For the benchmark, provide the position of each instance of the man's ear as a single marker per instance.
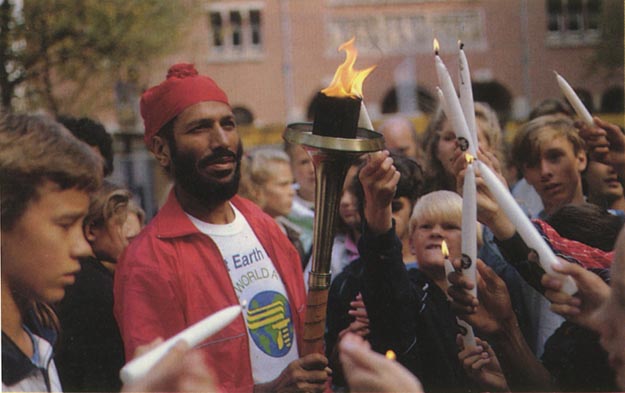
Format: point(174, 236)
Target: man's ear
point(90, 232)
point(582, 161)
point(160, 148)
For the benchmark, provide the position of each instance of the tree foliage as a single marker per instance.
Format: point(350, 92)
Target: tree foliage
point(65, 46)
point(609, 51)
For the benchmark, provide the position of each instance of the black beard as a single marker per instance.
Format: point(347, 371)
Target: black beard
point(207, 190)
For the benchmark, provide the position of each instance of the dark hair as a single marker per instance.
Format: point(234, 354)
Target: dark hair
point(33, 149)
point(549, 106)
point(587, 223)
point(94, 134)
point(410, 185)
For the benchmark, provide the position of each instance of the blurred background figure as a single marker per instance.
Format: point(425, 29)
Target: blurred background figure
point(268, 181)
point(91, 351)
point(439, 144)
point(400, 137)
point(94, 134)
point(302, 212)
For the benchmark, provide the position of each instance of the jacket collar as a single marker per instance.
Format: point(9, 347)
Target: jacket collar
point(15, 364)
point(172, 221)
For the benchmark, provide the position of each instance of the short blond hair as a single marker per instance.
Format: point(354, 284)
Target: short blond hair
point(257, 169)
point(440, 205)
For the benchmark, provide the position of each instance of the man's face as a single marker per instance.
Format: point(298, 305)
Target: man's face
point(398, 138)
point(206, 153)
point(557, 174)
point(40, 252)
point(603, 183)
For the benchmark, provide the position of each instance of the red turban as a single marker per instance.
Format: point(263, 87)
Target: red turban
point(182, 88)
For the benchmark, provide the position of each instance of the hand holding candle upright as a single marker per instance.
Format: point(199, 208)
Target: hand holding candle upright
point(452, 106)
point(469, 224)
point(574, 100)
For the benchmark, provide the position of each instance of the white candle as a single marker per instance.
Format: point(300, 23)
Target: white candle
point(574, 100)
point(466, 93)
point(524, 226)
point(468, 337)
point(453, 110)
point(469, 226)
point(193, 335)
point(363, 119)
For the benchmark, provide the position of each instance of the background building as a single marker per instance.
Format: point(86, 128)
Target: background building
point(273, 56)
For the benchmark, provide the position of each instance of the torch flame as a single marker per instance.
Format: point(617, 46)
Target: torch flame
point(444, 249)
point(469, 158)
point(437, 47)
point(347, 81)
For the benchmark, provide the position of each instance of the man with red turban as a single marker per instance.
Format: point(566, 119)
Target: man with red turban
point(208, 249)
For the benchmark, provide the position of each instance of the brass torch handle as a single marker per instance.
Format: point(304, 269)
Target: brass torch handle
point(315, 323)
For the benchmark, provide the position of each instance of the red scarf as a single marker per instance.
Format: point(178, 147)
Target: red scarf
point(587, 256)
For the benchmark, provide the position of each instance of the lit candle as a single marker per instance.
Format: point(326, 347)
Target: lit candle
point(364, 121)
point(193, 335)
point(468, 337)
point(466, 93)
point(469, 225)
point(524, 226)
point(574, 100)
point(452, 107)
point(390, 354)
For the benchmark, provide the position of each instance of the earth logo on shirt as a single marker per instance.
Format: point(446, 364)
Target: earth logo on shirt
point(269, 323)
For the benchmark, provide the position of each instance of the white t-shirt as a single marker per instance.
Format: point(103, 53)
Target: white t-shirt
point(270, 329)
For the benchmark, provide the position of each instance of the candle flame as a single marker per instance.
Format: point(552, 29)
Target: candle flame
point(390, 355)
point(469, 158)
point(444, 249)
point(347, 81)
point(437, 47)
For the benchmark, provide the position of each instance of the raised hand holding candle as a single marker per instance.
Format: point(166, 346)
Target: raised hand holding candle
point(193, 335)
point(574, 100)
point(466, 93)
point(468, 337)
point(452, 107)
point(524, 226)
point(469, 225)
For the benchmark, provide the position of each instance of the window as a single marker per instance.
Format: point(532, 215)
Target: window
point(235, 31)
point(573, 22)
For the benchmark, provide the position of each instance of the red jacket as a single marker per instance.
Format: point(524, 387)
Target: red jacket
point(172, 276)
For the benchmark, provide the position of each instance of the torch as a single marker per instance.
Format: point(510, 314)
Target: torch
point(333, 141)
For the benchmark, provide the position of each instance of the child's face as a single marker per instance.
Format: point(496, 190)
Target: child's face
point(427, 238)
point(446, 147)
point(278, 191)
point(303, 170)
point(40, 253)
point(557, 174)
point(402, 209)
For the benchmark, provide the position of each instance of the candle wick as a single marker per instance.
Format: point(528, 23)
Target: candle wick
point(461, 45)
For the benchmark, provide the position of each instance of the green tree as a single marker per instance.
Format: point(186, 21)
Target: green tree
point(609, 51)
point(64, 52)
